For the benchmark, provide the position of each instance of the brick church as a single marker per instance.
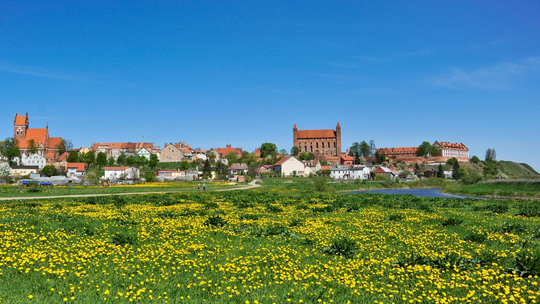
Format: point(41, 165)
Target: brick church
point(47, 146)
point(322, 143)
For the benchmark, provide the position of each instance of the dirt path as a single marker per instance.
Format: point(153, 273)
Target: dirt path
point(251, 185)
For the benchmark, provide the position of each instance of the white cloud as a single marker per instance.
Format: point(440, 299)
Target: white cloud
point(498, 76)
point(35, 71)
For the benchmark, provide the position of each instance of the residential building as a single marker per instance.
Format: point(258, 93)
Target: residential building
point(116, 173)
point(171, 174)
point(318, 142)
point(76, 170)
point(290, 166)
point(350, 173)
point(237, 168)
point(314, 165)
point(23, 170)
point(390, 172)
point(171, 154)
point(144, 152)
point(29, 159)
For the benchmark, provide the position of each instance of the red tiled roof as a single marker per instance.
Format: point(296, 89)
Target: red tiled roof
point(346, 158)
point(116, 168)
point(54, 142)
point(301, 134)
point(452, 146)
point(398, 151)
point(20, 120)
point(281, 161)
point(38, 135)
point(49, 155)
point(225, 151)
point(63, 157)
point(238, 166)
point(78, 166)
point(326, 167)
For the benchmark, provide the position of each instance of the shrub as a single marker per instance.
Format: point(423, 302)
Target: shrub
point(320, 184)
point(344, 247)
point(526, 264)
point(395, 217)
point(215, 221)
point(123, 239)
point(452, 222)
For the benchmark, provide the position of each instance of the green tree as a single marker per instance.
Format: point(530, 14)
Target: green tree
point(89, 157)
point(131, 160)
point(207, 169)
point(141, 160)
point(423, 149)
point(491, 154)
point(150, 177)
point(110, 161)
point(11, 153)
point(232, 157)
point(303, 156)
point(475, 159)
point(433, 151)
point(295, 151)
point(184, 165)
point(267, 149)
point(283, 152)
point(48, 170)
point(121, 160)
point(365, 149)
point(248, 158)
point(101, 159)
point(153, 161)
point(32, 147)
point(440, 171)
point(73, 157)
point(354, 149)
point(311, 156)
point(462, 173)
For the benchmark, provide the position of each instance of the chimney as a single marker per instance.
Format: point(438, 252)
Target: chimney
point(228, 146)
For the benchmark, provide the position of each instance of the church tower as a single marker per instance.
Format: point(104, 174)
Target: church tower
point(20, 126)
point(338, 139)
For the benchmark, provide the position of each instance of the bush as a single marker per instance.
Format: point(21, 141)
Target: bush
point(150, 177)
point(215, 221)
point(344, 247)
point(123, 239)
point(320, 184)
point(526, 264)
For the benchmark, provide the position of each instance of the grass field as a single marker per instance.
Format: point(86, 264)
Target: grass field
point(500, 189)
point(13, 191)
point(269, 245)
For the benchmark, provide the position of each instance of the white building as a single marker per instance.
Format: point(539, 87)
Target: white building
point(115, 173)
point(144, 152)
point(349, 173)
point(290, 166)
point(29, 159)
point(76, 170)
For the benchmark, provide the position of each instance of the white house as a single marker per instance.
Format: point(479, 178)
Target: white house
point(360, 172)
point(76, 170)
point(29, 159)
point(115, 173)
point(144, 152)
point(290, 166)
point(237, 168)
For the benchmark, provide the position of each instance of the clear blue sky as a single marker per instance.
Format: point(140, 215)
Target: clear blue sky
point(244, 72)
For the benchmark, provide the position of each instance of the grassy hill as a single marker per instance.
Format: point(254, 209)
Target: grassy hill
point(516, 170)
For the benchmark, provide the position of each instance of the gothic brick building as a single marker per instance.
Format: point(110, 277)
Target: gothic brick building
point(319, 142)
point(46, 146)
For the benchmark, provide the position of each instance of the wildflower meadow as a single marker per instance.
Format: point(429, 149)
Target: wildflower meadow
point(269, 246)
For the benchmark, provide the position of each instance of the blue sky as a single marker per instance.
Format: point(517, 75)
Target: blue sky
point(244, 72)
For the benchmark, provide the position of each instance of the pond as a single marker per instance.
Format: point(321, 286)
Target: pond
point(415, 192)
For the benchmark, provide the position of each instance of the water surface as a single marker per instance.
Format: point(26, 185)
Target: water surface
point(415, 192)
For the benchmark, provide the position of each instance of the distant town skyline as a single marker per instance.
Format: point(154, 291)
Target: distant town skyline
point(243, 73)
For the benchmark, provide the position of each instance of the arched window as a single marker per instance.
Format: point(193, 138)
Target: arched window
point(317, 144)
point(322, 145)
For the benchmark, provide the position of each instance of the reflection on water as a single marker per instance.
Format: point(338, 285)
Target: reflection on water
point(415, 192)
